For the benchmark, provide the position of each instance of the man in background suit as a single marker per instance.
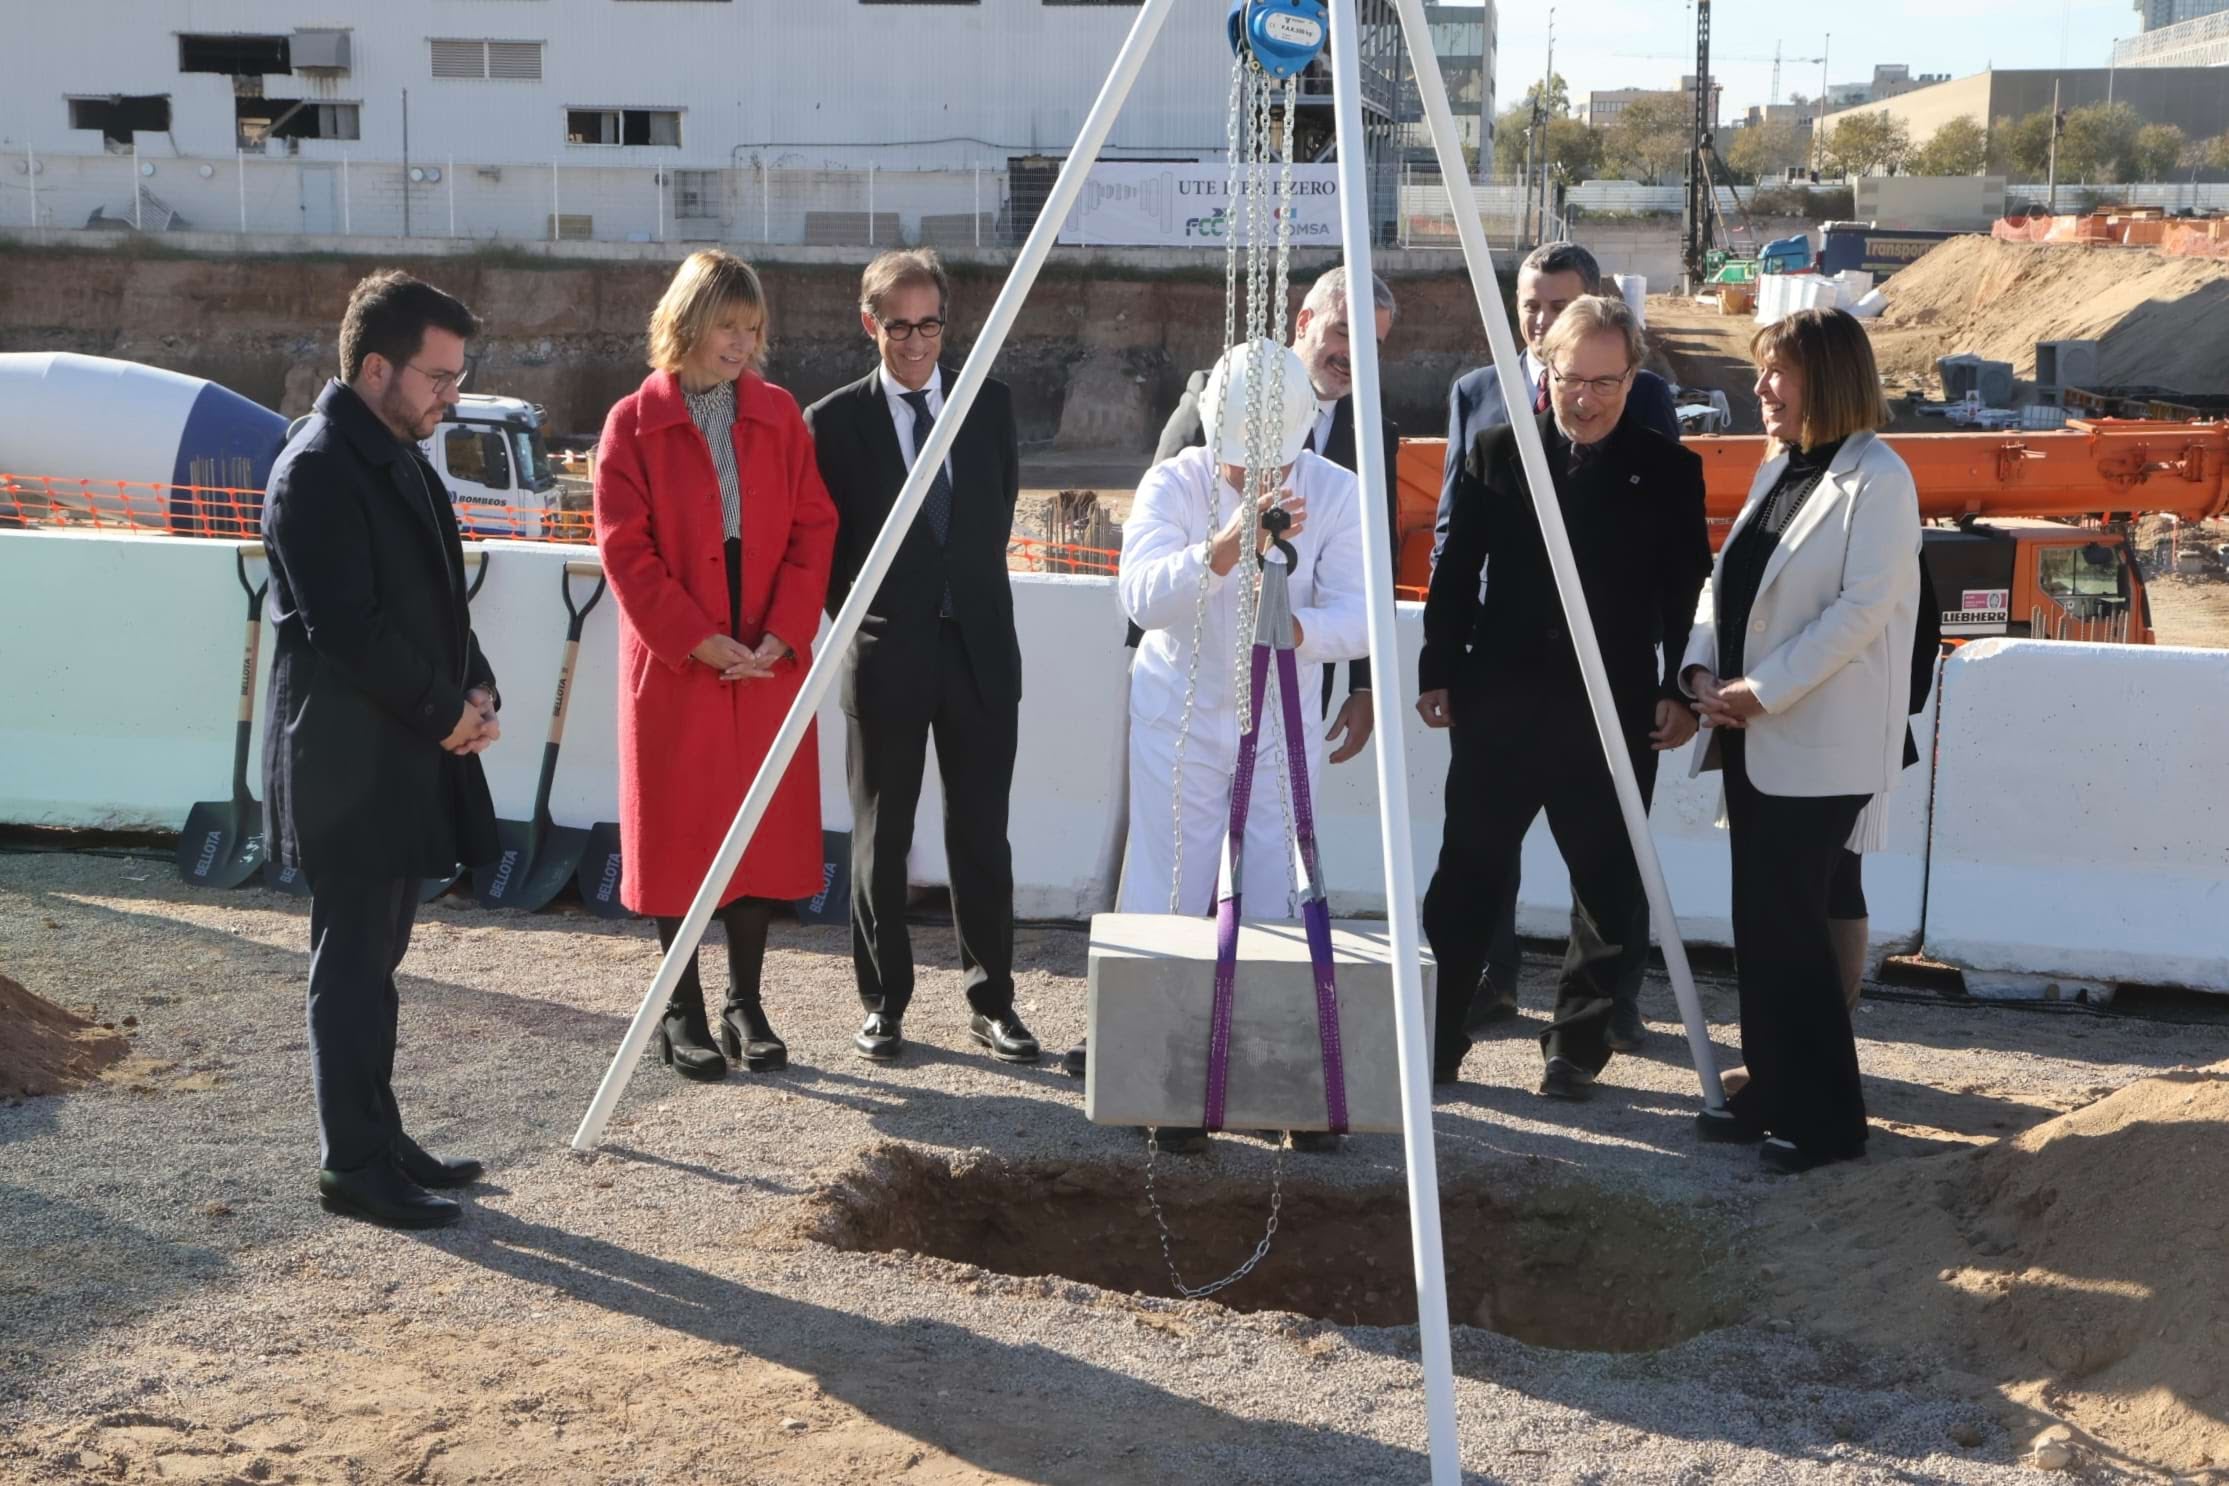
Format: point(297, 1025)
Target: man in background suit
point(1552, 275)
point(1320, 337)
point(936, 655)
point(1503, 673)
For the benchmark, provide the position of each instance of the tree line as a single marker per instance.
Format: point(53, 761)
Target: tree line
point(2104, 143)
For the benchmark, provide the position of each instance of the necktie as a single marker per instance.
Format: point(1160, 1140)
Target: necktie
point(1540, 397)
point(939, 502)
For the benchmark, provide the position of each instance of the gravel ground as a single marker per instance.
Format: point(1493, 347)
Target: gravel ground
point(173, 1305)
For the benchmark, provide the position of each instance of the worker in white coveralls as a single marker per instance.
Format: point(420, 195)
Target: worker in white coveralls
point(1185, 521)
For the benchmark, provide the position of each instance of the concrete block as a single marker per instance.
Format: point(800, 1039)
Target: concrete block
point(1151, 993)
point(2063, 364)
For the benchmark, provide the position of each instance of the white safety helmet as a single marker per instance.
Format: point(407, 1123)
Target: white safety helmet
point(1230, 386)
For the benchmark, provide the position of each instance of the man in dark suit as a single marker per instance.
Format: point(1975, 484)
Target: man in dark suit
point(1505, 674)
point(936, 655)
point(1550, 278)
point(1320, 337)
point(380, 703)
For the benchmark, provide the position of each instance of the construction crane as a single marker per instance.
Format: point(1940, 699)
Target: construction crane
point(1696, 215)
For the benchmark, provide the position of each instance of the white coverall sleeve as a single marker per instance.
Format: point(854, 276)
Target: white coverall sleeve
point(1334, 623)
point(1158, 575)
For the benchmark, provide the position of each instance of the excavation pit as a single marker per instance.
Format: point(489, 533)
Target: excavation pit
point(1566, 1266)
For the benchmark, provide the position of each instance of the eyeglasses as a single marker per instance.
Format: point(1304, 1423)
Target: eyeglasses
point(1599, 386)
point(900, 330)
point(442, 381)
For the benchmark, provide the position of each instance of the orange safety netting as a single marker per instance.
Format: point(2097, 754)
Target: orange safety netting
point(235, 515)
point(2208, 239)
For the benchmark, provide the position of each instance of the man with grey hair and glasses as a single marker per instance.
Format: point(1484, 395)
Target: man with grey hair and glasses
point(1550, 278)
point(1502, 674)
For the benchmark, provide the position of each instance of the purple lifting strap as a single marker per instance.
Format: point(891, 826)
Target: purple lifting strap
point(1226, 913)
point(1315, 912)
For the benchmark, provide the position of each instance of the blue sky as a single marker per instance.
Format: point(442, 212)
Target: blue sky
point(1594, 38)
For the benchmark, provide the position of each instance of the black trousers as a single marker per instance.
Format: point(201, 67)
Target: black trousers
point(1795, 1030)
point(887, 755)
point(359, 932)
point(1502, 772)
point(1504, 956)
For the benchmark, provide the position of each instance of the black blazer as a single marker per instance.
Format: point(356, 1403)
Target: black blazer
point(1635, 515)
point(1185, 430)
point(375, 652)
point(863, 466)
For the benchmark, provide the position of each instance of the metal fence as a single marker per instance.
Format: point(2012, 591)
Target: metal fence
point(335, 195)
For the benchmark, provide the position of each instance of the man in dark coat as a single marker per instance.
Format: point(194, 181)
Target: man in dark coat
point(936, 655)
point(1504, 675)
point(380, 702)
point(1550, 278)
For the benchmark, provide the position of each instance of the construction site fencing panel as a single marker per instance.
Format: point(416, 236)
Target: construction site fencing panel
point(2039, 848)
point(326, 192)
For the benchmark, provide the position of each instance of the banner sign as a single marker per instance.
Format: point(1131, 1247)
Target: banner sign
point(1163, 205)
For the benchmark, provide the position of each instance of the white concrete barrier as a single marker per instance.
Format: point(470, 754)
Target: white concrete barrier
point(2080, 822)
point(2082, 813)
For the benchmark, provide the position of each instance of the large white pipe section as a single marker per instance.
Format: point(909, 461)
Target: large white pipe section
point(1129, 62)
point(1478, 259)
point(1412, 1039)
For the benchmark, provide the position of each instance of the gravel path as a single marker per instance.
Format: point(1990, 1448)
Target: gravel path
point(174, 1306)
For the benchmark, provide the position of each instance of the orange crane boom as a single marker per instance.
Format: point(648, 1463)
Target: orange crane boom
point(2094, 468)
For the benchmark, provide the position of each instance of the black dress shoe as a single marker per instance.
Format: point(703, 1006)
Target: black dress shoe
point(684, 1041)
point(380, 1193)
point(1627, 1031)
point(1006, 1037)
point(1075, 1061)
point(1564, 1079)
point(747, 1037)
point(880, 1039)
point(428, 1170)
point(1724, 1127)
point(1786, 1158)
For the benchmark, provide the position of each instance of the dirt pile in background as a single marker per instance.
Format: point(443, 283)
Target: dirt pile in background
point(46, 1050)
point(2159, 322)
point(2076, 1267)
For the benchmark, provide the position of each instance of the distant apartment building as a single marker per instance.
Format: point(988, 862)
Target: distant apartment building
point(2194, 99)
point(2159, 14)
point(1464, 40)
point(2200, 42)
point(1603, 106)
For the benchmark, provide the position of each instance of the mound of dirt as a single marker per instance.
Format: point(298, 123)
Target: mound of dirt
point(2076, 1267)
point(2158, 321)
point(46, 1050)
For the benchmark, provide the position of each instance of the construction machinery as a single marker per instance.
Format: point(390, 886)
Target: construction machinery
point(97, 441)
point(2029, 534)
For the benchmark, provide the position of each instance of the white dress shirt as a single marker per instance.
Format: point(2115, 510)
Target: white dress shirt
point(901, 411)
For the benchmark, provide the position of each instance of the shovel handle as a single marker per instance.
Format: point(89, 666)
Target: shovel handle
point(579, 616)
point(254, 591)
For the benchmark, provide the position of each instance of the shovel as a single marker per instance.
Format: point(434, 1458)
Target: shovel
point(222, 843)
point(434, 887)
point(601, 872)
point(538, 857)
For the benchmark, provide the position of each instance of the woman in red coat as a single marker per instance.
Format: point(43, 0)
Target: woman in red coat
point(716, 533)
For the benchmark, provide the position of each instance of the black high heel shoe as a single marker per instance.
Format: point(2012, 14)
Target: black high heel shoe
point(748, 1038)
point(684, 1043)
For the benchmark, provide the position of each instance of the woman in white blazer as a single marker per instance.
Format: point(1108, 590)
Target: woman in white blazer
point(1800, 666)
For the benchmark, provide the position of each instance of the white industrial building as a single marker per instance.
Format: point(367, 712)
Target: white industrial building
point(741, 120)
